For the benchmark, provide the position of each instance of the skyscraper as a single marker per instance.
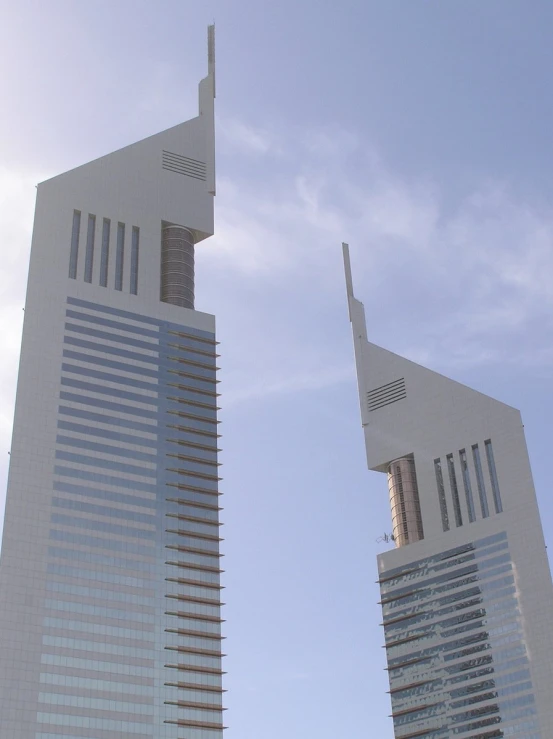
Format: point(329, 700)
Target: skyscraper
point(109, 577)
point(466, 594)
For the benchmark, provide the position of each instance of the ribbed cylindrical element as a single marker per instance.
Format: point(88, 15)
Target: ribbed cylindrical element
point(404, 502)
point(177, 266)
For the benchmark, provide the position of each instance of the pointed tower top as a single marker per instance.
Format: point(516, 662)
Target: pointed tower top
point(211, 54)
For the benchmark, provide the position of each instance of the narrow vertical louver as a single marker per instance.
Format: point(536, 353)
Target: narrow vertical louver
point(89, 254)
point(480, 481)
point(104, 257)
point(134, 260)
point(441, 494)
point(119, 256)
point(74, 253)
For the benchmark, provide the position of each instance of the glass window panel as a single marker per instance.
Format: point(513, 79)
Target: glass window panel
point(89, 254)
point(104, 257)
point(441, 494)
point(119, 256)
point(480, 481)
point(134, 260)
point(74, 253)
point(493, 477)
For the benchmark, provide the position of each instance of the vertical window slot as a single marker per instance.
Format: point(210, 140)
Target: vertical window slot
point(74, 254)
point(104, 257)
point(134, 260)
point(119, 256)
point(467, 485)
point(89, 254)
point(441, 494)
point(480, 481)
point(454, 490)
point(493, 477)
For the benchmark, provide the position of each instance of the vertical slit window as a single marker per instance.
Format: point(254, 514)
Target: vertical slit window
point(480, 481)
point(89, 254)
point(119, 256)
point(441, 494)
point(493, 477)
point(454, 490)
point(74, 254)
point(467, 484)
point(104, 257)
point(134, 260)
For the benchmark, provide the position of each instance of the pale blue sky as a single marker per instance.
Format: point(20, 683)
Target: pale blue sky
point(420, 131)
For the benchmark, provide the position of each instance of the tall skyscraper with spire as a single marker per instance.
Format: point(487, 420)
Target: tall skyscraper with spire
point(466, 594)
point(110, 622)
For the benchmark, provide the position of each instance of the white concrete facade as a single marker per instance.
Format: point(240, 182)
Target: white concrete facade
point(102, 581)
point(466, 608)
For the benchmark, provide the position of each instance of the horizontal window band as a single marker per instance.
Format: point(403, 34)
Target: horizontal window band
point(196, 362)
point(165, 325)
point(198, 460)
point(106, 464)
point(183, 372)
point(194, 686)
point(215, 602)
point(116, 338)
point(192, 473)
point(108, 405)
point(199, 583)
point(407, 711)
point(201, 634)
point(188, 348)
point(393, 577)
point(115, 451)
point(202, 568)
point(117, 482)
point(132, 369)
point(196, 724)
point(208, 423)
point(190, 429)
point(410, 685)
point(108, 434)
point(112, 324)
point(105, 349)
point(193, 550)
point(205, 392)
point(192, 488)
point(183, 532)
point(91, 387)
point(76, 369)
point(192, 650)
point(193, 402)
point(201, 706)
point(193, 668)
point(212, 342)
point(126, 423)
point(389, 393)
point(185, 501)
point(185, 614)
point(108, 511)
point(194, 519)
point(185, 166)
point(397, 643)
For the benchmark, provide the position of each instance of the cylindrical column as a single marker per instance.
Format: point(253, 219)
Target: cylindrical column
point(404, 502)
point(177, 266)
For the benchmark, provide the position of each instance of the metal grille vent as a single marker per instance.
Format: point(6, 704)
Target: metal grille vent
point(184, 165)
point(386, 394)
